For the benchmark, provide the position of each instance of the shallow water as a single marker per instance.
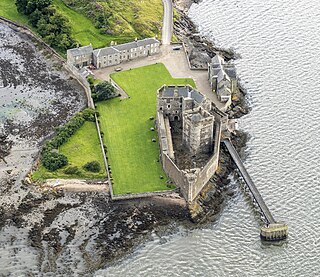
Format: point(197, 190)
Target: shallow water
point(279, 42)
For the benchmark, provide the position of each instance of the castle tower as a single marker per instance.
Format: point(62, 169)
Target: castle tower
point(198, 131)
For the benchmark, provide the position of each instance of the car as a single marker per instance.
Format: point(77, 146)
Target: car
point(177, 47)
point(118, 69)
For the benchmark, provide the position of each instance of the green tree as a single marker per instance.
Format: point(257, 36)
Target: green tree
point(29, 6)
point(53, 161)
point(93, 166)
point(35, 17)
point(103, 91)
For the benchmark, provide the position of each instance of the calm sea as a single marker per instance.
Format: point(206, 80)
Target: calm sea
point(279, 42)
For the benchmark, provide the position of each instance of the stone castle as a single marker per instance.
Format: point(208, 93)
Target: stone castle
point(189, 128)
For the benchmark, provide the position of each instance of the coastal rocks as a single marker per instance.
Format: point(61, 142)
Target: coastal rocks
point(199, 49)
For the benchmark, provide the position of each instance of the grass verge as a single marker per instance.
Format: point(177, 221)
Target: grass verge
point(133, 157)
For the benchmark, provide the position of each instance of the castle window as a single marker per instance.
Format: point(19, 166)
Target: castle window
point(169, 106)
point(160, 108)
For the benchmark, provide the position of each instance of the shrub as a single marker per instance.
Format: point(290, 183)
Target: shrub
point(88, 114)
point(103, 91)
point(93, 166)
point(71, 170)
point(53, 161)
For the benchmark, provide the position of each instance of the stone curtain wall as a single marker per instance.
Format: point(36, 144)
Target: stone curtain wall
point(203, 177)
point(189, 190)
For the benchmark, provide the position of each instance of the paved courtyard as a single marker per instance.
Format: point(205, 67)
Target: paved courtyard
point(177, 64)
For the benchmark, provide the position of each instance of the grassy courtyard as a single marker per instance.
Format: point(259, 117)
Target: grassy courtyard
point(126, 124)
point(81, 148)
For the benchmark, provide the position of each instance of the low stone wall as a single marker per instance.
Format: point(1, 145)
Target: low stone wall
point(21, 28)
point(82, 81)
point(142, 195)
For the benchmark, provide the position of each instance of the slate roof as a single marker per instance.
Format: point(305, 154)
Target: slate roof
point(121, 47)
point(183, 91)
point(105, 51)
point(79, 51)
point(126, 46)
point(147, 41)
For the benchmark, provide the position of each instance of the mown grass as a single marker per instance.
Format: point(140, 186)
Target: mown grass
point(81, 148)
point(8, 10)
point(133, 157)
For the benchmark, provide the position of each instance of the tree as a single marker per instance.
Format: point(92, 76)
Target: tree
point(103, 91)
point(53, 161)
point(35, 17)
point(33, 5)
point(21, 6)
point(93, 166)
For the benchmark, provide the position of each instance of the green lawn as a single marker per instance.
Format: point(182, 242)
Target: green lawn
point(8, 9)
point(132, 155)
point(81, 148)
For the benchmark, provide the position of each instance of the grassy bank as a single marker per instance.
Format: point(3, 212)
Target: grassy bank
point(126, 19)
point(133, 157)
point(81, 148)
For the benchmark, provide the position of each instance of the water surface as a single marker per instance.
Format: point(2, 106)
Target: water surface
point(279, 42)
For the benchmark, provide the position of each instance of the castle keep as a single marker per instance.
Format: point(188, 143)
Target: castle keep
point(189, 128)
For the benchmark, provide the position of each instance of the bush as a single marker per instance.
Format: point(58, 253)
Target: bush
point(71, 170)
point(53, 161)
point(103, 91)
point(88, 114)
point(93, 166)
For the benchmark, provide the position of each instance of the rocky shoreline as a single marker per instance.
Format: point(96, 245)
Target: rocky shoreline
point(53, 226)
point(200, 50)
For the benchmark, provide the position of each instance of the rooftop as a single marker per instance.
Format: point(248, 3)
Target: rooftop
point(79, 51)
point(181, 91)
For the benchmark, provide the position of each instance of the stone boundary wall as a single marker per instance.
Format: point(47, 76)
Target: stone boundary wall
point(82, 81)
point(142, 195)
point(118, 88)
point(104, 155)
point(23, 29)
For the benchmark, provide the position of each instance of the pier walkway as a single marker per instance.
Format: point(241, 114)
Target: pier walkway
point(256, 195)
point(273, 230)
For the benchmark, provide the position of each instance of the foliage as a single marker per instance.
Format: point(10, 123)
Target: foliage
point(132, 18)
point(88, 114)
point(53, 161)
point(103, 91)
point(29, 6)
point(72, 170)
point(84, 146)
point(93, 166)
point(53, 27)
point(132, 155)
